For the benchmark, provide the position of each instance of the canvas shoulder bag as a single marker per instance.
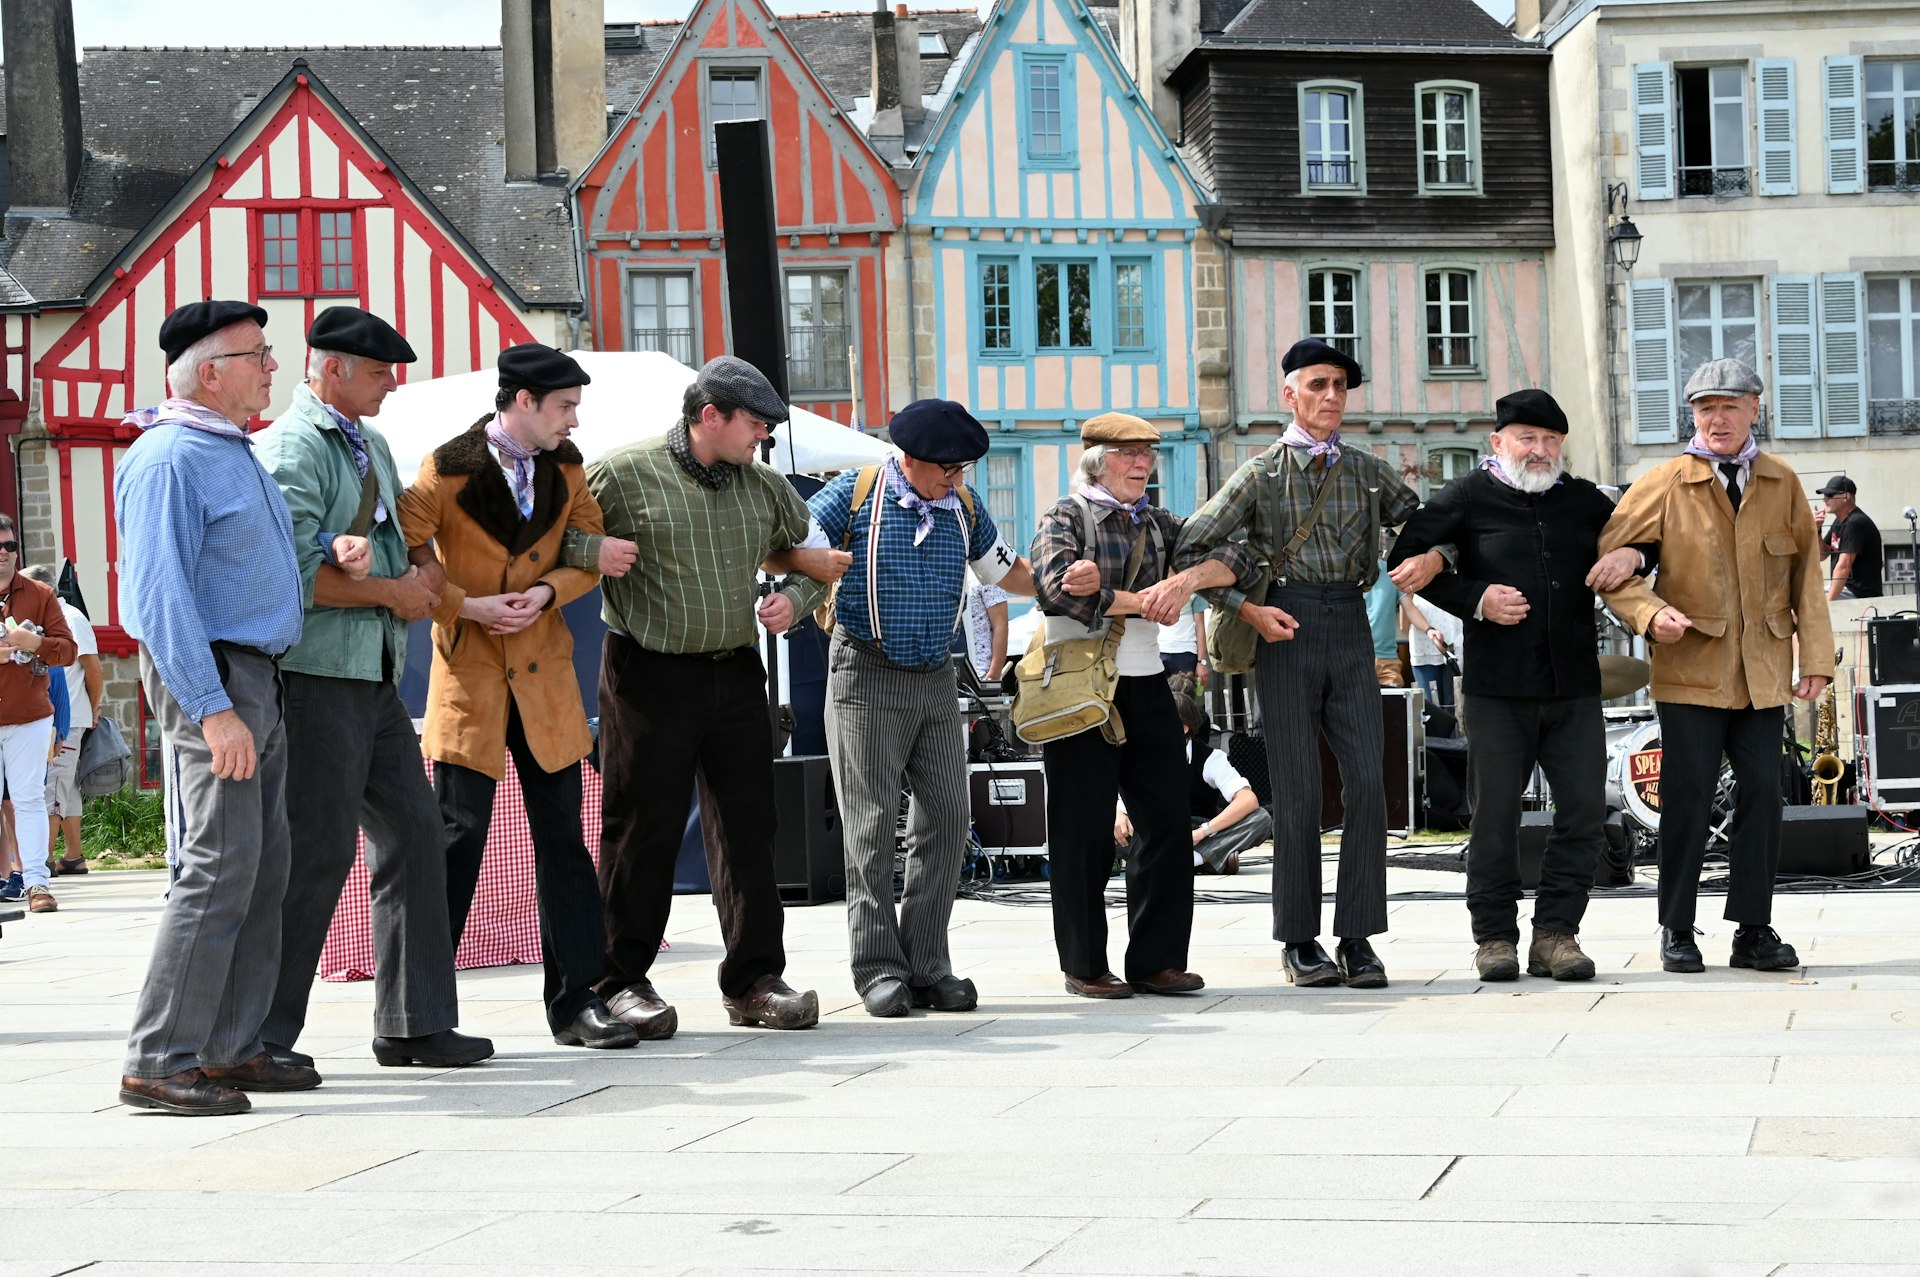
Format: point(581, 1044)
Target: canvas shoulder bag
point(1232, 643)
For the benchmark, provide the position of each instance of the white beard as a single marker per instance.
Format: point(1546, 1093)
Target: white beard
point(1526, 478)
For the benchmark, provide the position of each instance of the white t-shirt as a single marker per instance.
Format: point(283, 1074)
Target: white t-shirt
point(1181, 636)
point(1139, 651)
point(79, 707)
point(1420, 648)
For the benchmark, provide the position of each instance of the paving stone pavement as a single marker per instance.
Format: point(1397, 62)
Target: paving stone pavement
point(1731, 1123)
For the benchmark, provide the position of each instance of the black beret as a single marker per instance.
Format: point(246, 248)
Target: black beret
point(348, 330)
point(195, 320)
point(938, 430)
point(536, 367)
point(1311, 350)
point(1530, 408)
point(731, 379)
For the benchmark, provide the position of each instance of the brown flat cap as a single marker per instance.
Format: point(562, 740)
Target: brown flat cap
point(1118, 427)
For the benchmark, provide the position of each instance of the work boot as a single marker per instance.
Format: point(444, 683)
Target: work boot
point(1762, 949)
point(1497, 960)
point(1557, 953)
point(1678, 952)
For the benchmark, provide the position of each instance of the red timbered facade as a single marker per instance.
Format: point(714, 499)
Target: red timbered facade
point(648, 208)
point(298, 210)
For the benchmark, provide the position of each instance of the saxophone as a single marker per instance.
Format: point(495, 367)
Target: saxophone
point(1827, 767)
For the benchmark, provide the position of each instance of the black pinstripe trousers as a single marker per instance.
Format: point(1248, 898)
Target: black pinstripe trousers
point(1322, 681)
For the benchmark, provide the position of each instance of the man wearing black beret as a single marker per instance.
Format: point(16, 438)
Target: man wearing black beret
point(350, 743)
point(915, 528)
point(1527, 537)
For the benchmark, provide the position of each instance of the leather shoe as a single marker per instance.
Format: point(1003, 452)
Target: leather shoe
point(773, 1002)
point(447, 1049)
point(948, 993)
point(263, 1073)
point(1678, 952)
point(1172, 980)
point(1308, 966)
point(185, 1094)
point(641, 1006)
point(1101, 986)
point(595, 1027)
point(287, 1055)
point(1360, 966)
point(887, 997)
point(1762, 949)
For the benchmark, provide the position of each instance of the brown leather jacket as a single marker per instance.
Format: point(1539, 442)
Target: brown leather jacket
point(23, 694)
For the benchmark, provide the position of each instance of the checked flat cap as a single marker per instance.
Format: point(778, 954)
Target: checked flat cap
point(1723, 377)
point(729, 379)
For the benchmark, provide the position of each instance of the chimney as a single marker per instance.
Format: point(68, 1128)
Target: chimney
point(906, 43)
point(547, 46)
point(43, 102)
point(886, 130)
point(1526, 18)
point(1155, 37)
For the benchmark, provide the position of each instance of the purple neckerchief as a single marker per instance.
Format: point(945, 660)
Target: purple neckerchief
point(1136, 509)
point(362, 458)
point(1297, 437)
point(1743, 458)
point(522, 458)
point(184, 412)
point(909, 498)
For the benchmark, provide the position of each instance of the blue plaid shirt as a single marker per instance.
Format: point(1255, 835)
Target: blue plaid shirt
point(919, 587)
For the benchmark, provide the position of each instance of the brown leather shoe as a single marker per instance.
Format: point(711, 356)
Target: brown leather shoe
point(1101, 986)
point(1172, 980)
point(262, 1074)
point(772, 1002)
point(639, 1005)
point(186, 1094)
point(40, 900)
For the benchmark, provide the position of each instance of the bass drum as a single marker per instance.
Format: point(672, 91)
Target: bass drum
point(1633, 774)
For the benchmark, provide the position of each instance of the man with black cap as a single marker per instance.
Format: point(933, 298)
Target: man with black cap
point(914, 527)
point(1739, 582)
point(350, 741)
point(1852, 541)
point(210, 585)
point(1527, 537)
point(496, 503)
point(683, 694)
point(1312, 510)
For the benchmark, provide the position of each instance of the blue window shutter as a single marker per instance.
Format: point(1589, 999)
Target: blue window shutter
point(1796, 364)
point(1653, 131)
point(1843, 354)
point(1779, 153)
point(1650, 350)
point(1846, 149)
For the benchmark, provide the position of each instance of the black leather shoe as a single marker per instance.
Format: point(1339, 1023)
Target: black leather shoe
point(447, 1049)
point(641, 1006)
point(948, 993)
point(286, 1055)
point(1678, 952)
point(1762, 949)
point(773, 1002)
point(596, 1027)
point(1309, 967)
point(261, 1073)
point(1360, 966)
point(887, 997)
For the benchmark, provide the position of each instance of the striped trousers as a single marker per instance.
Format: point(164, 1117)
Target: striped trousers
point(885, 724)
point(1322, 681)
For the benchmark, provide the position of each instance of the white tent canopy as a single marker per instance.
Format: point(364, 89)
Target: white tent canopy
point(634, 395)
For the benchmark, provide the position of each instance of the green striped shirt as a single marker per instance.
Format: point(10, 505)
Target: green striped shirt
point(695, 584)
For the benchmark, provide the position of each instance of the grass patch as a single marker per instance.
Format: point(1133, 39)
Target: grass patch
point(124, 830)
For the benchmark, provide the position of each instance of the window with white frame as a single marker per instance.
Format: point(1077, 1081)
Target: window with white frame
point(1714, 319)
point(1063, 305)
point(1000, 483)
point(662, 307)
point(1893, 353)
point(996, 306)
point(1445, 464)
point(1130, 305)
point(1893, 125)
point(818, 333)
point(1330, 147)
point(1711, 130)
point(1333, 309)
point(1451, 331)
point(731, 95)
point(1449, 137)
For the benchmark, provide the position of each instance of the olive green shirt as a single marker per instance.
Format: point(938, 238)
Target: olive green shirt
point(695, 584)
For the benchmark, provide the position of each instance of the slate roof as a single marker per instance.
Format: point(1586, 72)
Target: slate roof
point(1419, 24)
point(839, 48)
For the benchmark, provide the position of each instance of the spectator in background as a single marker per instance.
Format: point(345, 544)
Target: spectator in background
point(1433, 635)
point(1226, 815)
point(984, 622)
point(1852, 543)
point(36, 639)
point(86, 684)
point(1183, 644)
point(1383, 618)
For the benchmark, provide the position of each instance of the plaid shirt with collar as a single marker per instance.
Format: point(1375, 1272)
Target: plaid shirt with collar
point(1061, 540)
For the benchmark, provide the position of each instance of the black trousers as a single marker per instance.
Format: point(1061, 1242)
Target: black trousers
point(563, 881)
point(1085, 775)
point(1693, 738)
point(665, 721)
point(1567, 739)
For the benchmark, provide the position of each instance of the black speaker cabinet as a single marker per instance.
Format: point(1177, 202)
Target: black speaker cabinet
point(1534, 828)
point(1009, 803)
point(1886, 722)
point(807, 858)
point(1402, 769)
point(1893, 650)
point(743, 162)
point(1830, 842)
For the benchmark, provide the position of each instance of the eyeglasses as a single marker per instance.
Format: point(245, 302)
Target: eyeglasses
point(263, 354)
point(950, 473)
point(1133, 454)
point(9, 547)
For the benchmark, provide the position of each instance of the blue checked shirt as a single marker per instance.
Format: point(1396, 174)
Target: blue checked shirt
point(919, 587)
point(206, 555)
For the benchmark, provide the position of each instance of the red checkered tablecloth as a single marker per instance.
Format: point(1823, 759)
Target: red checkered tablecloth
point(504, 926)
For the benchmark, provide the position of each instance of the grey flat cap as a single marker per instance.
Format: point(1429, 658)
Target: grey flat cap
point(729, 379)
point(1723, 377)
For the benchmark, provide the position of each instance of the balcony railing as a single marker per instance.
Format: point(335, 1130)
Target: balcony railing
point(677, 342)
point(1452, 170)
point(1893, 175)
point(1892, 417)
point(817, 360)
point(1330, 173)
point(1450, 354)
point(1709, 180)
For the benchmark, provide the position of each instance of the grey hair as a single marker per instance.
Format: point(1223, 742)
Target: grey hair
point(1093, 463)
point(183, 374)
point(38, 572)
point(317, 357)
point(1292, 380)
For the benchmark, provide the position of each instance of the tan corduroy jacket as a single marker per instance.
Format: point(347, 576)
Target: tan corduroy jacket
point(1749, 585)
point(462, 503)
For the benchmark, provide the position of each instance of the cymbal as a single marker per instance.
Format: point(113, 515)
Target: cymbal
point(1622, 676)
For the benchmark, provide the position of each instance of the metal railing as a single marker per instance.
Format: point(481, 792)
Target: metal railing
point(1452, 170)
point(1330, 173)
point(1447, 353)
point(817, 360)
point(1708, 180)
point(1893, 175)
point(677, 342)
point(1893, 417)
